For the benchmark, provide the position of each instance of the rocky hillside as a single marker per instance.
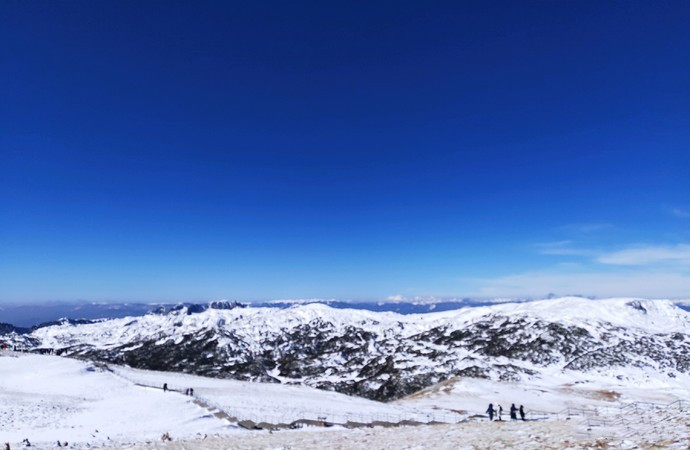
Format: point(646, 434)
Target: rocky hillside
point(383, 355)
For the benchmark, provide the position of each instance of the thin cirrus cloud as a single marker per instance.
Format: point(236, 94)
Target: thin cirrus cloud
point(398, 298)
point(586, 228)
point(648, 255)
point(641, 255)
point(563, 248)
point(567, 247)
point(683, 213)
point(640, 270)
point(631, 283)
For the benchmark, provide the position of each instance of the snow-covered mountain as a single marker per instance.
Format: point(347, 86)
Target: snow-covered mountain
point(33, 315)
point(384, 355)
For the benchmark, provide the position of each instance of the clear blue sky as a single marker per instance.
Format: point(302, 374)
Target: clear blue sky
point(164, 150)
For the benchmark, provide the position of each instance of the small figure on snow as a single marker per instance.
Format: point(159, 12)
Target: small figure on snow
point(500, 413)
point(165, 387)
point(490, 411)
point(513, 412)
point(522, 412)
point(191, 392)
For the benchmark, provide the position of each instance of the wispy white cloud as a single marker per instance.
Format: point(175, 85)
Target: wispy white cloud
point(418, 299)
point(633, 270)
point(648, 255)
point(431, 299)
point(630, 283)
point(300, 301)
point(569, 247)
point(679, 212)
point(586, 228)
point(637, 255)
point(563, 248)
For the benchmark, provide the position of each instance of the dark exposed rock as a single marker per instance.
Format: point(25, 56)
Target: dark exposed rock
point(637, 305)
point(63, 321)
point(6, 328)
point(226, 305)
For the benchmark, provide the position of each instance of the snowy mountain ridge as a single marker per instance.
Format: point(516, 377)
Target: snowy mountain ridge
point(385, 355)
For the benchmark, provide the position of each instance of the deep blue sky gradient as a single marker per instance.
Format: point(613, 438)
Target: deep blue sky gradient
point(166, 150)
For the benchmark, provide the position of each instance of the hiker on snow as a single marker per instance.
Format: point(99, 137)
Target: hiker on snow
point(500, 412)
point(513, 412)
point(522, 412)
point(165, 387)
point(490, 411)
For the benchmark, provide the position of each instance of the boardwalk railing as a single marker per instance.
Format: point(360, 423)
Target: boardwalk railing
point(634, 408)
point(603, 414)
point(653, 416)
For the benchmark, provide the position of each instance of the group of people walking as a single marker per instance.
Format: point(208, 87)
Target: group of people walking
point(499, 412)
point(188, 391)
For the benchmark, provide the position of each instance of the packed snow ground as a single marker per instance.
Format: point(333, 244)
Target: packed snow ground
point(550, 394)
point(281, 403)
point(562, 434)
point(48, 398)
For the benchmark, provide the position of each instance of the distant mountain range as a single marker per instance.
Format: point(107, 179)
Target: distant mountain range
point(30, 315)
point(386, 355)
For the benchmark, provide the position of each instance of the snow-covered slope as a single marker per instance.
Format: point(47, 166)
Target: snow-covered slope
point(47, 399)
point(383, 355)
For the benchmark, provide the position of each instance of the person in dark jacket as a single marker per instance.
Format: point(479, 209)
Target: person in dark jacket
point(490, 411)
point(513, 412)
point(165, 387)
point(522, 412)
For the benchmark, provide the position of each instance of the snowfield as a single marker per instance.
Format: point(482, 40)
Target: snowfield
point(387, 356)
point(590, 374)
point(47, 399)
point(280, 403)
